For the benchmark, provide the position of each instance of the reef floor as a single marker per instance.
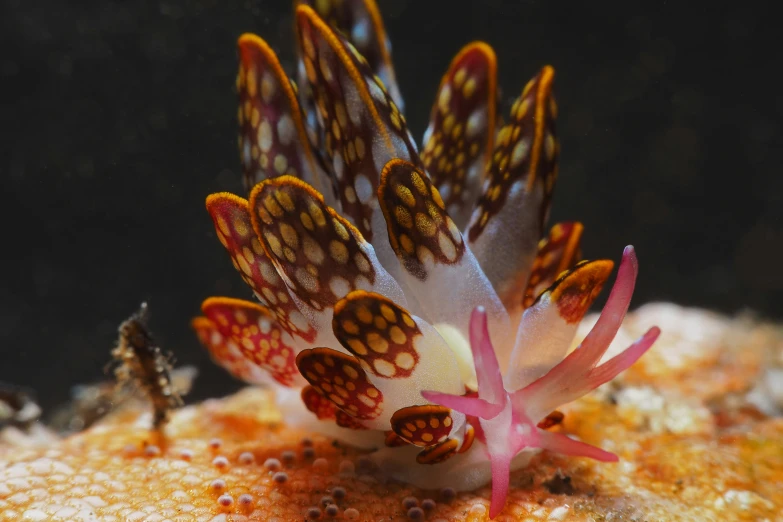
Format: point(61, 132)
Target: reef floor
point(697, 425)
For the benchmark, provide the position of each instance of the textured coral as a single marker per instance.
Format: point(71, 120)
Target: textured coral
point(692, 446)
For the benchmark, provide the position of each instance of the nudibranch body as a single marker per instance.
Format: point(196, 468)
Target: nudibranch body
point(408, 302)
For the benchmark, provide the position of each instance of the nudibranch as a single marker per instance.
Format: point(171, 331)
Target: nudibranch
point(408, 301)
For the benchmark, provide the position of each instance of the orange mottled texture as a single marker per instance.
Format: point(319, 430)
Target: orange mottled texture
point(696, 425)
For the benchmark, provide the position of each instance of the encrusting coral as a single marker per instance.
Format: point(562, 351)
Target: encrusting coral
point(686, 422)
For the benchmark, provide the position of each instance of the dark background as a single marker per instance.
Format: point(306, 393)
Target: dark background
point(118, 118)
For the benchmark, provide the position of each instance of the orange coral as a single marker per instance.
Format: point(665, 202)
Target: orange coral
point(226, 459)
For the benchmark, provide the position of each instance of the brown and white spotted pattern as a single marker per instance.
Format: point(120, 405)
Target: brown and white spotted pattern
point(556, 253)
point(363, 127)
point(360, 22)
point(344, 420)
point(439, 452)
point(342, 380)
point(420, 230)
point(316, 402)
point(257, 335)
point(575, 291)
point(526, 151)
point(234, 229)
point(225, 353)
point(378, 332)
point(446, 449)
point(320, 256)
point(272, 138)
point(423, 425)
point(393, 440)
point(458, 141)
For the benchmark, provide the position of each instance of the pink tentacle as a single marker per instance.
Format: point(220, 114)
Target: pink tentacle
point(601, 335)
point(468, 405)
point(492, 395)
point(621, 362)
point(559, 443)
point(501, 476)
point(490, 380)
point(509, 428)
point(571, 378)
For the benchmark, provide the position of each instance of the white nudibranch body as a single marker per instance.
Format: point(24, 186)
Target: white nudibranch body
point(408, 302)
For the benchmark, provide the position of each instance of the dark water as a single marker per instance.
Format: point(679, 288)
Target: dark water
point(119, 118)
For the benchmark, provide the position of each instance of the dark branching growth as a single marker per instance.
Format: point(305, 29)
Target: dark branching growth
point(88, 404)
point(17, 407)
point(560, 484)
point(142, 364)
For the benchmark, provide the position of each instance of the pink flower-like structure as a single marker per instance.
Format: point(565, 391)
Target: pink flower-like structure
point(409, 301)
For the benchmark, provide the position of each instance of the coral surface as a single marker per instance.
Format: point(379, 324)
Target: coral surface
point(696, 424)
